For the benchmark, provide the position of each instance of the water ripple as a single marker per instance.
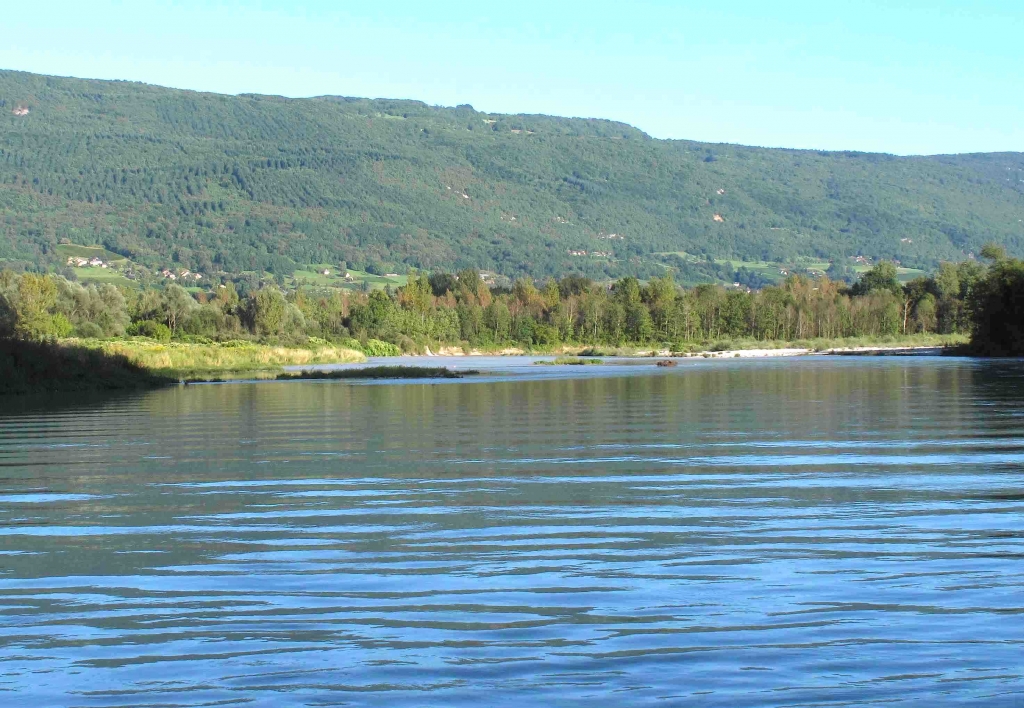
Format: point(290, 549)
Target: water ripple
point(822, 532)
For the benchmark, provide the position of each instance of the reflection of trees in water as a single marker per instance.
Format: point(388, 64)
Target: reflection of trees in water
point(503, 445)
point(67, 403)
point(801, 399)
point(792, 397)
point(997, 396)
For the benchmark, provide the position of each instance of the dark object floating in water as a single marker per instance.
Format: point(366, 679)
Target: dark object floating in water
point(668, 362)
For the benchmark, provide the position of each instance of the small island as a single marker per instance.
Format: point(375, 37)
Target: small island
point(376, 372)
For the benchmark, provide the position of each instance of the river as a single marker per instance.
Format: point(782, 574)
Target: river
point(813, 531)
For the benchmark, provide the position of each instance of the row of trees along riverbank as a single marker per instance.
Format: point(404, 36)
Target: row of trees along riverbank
point(982, 299)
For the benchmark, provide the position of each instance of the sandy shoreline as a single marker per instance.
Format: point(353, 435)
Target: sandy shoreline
point(920, 350)
point(755, 353)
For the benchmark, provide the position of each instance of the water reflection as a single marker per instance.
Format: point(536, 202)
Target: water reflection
point(733, 533)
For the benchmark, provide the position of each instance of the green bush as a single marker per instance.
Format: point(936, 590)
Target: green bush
point(89, 330)
point(408, 345)
point(350, 343)
point(375, 347)
point(148, 328)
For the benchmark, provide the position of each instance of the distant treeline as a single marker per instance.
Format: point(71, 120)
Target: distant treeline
point(449, 309)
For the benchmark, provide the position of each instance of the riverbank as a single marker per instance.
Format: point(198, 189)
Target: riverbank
point(67, 365)
point(186, 361)
point(722, 348)
point(97, 365)
point(912, 350)
point(63, 367)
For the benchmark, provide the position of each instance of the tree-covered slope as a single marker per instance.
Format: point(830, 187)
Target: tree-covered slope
point(239, 183)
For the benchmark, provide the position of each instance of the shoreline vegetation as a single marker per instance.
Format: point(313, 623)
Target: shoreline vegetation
point(378, 372)
point(190, 361)
point(46, 367)
point(745, 347)
point(137, 364)
point(104, 338)
point(569, 361)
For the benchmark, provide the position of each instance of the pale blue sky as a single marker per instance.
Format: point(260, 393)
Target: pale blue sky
point(899, 76)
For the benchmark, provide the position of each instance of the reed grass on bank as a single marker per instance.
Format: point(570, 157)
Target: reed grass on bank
point(28, 367)
point(569, 361)
point(188, 360)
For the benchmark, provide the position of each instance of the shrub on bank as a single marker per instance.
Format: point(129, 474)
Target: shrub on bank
point(376, 348)
point(148, 328)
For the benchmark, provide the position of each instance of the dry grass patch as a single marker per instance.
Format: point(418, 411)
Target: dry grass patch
point(186, 359)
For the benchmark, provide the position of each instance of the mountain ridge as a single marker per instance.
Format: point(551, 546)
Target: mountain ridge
point(251, 182)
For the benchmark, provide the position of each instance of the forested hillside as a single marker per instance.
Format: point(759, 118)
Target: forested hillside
point(216, 183)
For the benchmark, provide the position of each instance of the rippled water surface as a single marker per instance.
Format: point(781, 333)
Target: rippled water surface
point(727, 533)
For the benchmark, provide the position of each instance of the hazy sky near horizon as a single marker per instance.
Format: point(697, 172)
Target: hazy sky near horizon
point(908, 77)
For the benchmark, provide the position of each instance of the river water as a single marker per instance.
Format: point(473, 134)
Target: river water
point(814, 531)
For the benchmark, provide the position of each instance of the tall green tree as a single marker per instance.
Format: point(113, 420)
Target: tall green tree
point(997, 307)
point(267, 310)
point(884, 276)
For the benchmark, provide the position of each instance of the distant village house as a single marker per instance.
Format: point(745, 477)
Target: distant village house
point(79, 262)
